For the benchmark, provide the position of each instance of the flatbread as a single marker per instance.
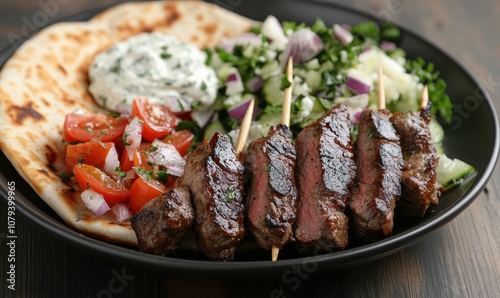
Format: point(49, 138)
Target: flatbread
point(47, 78)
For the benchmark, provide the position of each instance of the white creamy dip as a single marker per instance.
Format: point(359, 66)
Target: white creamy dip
point(156, 66)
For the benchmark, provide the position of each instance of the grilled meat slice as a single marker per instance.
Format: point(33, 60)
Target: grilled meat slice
point(419, 186)
point(214, 176)
point(325, 172)
point(271, 194)
point(379, 161)
point(163, 221)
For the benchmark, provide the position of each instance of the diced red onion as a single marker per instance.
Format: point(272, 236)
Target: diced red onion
point(304, 45)
point(355, 115)
point(272, 29)
point(238, 111)
point(95, 202)
point(342, 34)
point(203, 117)
point(255, 83)
point(346, 26)
point(387, 46)
point(121, 211)
point(234, 84)
point(133, 136)
point(227, 45)
point(111, 162)
point(358, 84)
point(177, 104)
point(166, 155)
point(125, 109)
point(248, 39)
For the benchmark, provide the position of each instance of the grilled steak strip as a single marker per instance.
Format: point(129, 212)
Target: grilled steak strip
point(379, 161)
point(418, 180)
point(163, 221)
point(271, 195)
point(325, 172)
point(214, 176)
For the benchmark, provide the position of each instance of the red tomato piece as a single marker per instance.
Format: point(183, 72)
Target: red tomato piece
point(144, 190)
point(91, 153)
point(159, 121)
point(89, 176)
point(88, 127)
point(181, 140)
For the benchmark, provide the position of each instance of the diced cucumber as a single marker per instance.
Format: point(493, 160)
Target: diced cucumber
point(212, 128)
point(452, 171)
point(313, 79)
point(266, 120)
point(437, 134)
point(225, 70)
point(269, 70)
point(272, 90)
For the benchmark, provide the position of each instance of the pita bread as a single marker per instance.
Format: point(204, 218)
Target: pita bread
point(47, 78)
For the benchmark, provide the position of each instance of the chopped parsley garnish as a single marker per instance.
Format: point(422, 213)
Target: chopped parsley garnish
point(230, 195)
point(165, 55)
point(437, 87)
point(124, 138)
point(80, 160)
point(120, 172)
point(285, 83)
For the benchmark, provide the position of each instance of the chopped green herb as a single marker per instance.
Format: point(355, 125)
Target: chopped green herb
point(65, 175)
point(80, 160)
point(165, 55)
point(437, 87)
point(266, 168)
point(372, 134)
point(285, 83)
point(124, 138)
point(230, 195)
point(203, 86)
point(153, 149)
point(120, 172)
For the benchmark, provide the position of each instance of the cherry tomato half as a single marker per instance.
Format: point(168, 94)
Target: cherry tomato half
point(143, 191)
point(91, 177)
point(88, 127)
point(159, 121)
point(91, 153)
point(181, 140)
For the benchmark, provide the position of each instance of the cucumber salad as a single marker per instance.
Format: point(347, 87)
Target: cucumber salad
point(332, 64)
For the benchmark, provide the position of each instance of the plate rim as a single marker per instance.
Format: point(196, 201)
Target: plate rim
point(349, 257)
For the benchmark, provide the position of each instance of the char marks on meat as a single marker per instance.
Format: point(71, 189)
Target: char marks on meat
point(163, 221)
point(271, 195)
point(214, 175)
point(419, 186)
point(325, 172)
point(379, 161)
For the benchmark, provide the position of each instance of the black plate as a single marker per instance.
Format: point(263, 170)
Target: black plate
point(474, 113)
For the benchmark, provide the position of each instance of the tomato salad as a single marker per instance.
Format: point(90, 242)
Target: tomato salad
point(120, 163)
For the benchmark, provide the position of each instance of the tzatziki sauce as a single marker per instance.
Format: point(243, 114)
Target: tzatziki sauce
point(153, 65)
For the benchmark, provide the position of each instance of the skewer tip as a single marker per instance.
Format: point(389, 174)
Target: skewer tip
point(381, 90)
point(274, 253)
point(424, 101)
point(245, 128)
point(287, 101)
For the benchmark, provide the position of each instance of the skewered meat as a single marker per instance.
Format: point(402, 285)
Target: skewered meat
point(271, 195)
point(163, 221)
point(214, 176)
point(325, 172)
point(418, 181)
point(379, 161)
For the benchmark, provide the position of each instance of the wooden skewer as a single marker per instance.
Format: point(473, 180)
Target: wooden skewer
point(244, 128)
point(381, 90)
point(424, 101)
point(287, 101)
point(285, 119)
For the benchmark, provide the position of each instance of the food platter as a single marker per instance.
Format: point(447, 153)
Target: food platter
point(481, 150)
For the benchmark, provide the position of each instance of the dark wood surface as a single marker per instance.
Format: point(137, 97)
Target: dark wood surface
point(462, 259)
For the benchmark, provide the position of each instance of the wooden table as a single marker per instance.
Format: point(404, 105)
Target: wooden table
point(461, 259)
